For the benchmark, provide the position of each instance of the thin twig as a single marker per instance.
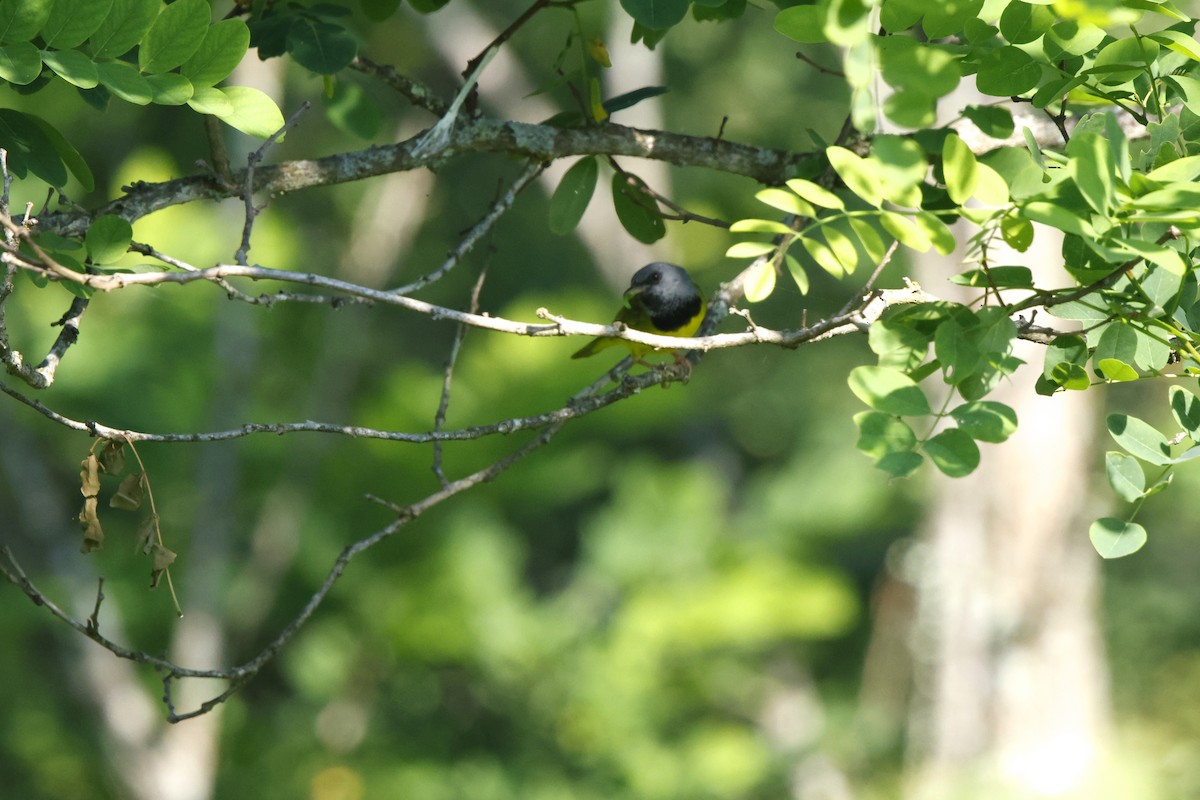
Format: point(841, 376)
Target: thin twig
point(252, 162)
point(417, 93)
point(439, 418)
point(477, 231)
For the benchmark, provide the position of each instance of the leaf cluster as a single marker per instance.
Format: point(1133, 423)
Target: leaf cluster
point(138, 51)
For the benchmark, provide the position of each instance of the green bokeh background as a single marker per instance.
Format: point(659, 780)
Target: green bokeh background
point(618, 616)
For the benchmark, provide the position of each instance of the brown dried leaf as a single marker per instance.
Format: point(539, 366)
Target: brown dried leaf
point(112, 457)
point(130, 493)
point(93, 534)
point(162, 558)
point(145, 535)
point(89, 476)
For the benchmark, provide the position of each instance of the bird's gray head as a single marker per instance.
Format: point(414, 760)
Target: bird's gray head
point(666, 292)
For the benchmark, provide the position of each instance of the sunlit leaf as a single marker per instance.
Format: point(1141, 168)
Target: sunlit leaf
point(1116, 538)
point(953, 452)
point(759, 281)
point(1139, 439)
point(888, 390)
point(986, 420)
point(1125, 475)
point(175, 36)
point(817, 195)
point(880, 434)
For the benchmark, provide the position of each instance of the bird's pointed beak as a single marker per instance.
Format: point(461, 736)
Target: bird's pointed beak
point(632, 292)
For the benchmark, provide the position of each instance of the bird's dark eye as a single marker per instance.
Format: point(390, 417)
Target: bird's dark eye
point(655, 277)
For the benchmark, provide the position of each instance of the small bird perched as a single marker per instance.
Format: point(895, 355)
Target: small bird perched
point(661, 298)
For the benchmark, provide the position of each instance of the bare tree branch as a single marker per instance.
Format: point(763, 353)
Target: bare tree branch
point(542, 143)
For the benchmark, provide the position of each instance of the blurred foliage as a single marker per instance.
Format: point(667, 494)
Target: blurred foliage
point(670, 601)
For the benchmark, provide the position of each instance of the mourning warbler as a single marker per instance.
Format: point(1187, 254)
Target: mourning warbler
point(662, 299)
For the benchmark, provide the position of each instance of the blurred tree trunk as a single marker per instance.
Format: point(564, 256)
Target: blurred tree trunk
point(1011, 682)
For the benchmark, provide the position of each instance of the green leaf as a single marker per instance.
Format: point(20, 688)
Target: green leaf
point(1092, 168)
point(760, 226)
point(1022, 23)
point(1017, 232)
point(846, 22)
point(953, 452)
point(959, 169)
point(1123, 60)
point(992, 121)
point(1056, 216)
point(785, 201)
point(999, 277)
point(108, 238)
point(224, 45)
point(956, 352)
point(1160, 255)
point(841, 246)
point(858, 176)
point(994, 369)
point(760, 281)
point(1119, 343)
point(900, 15)
point(1185, 170)
point(1071, 37)
point(320, 46)
point(901, 168)
point(210, 100)
point(817, 195)
point(804, 24)
point(630, 99)
point(637, 209)
point(749, 249)
point(656, 15)
point(1139, 439)
point(898, 346)
point(717, 10)
point(1068, 376)
point(353, 110)
point(253, 112)
point(125, 82)
point(1185, 407)
point(907, 232)
point(20, 20)
point(921, 72)
point(20, 63)
point(869, 238)
point(31, 148)
point(986, 420)
point(379, 10)
point(1125, 475)
point(175, 36)
point(1007, 71)
point(880, 434)
point(938, 232)
point(71, 23)
point(66, 153)
point(125, 25)
point(571, 197)
point(170, 88)
point(888, 390)
point(824, 257)
point(73, 67)
point(1115, 370)
point(948, 17)
point(900, 465)
point(1116, 538)
point(799, 275)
